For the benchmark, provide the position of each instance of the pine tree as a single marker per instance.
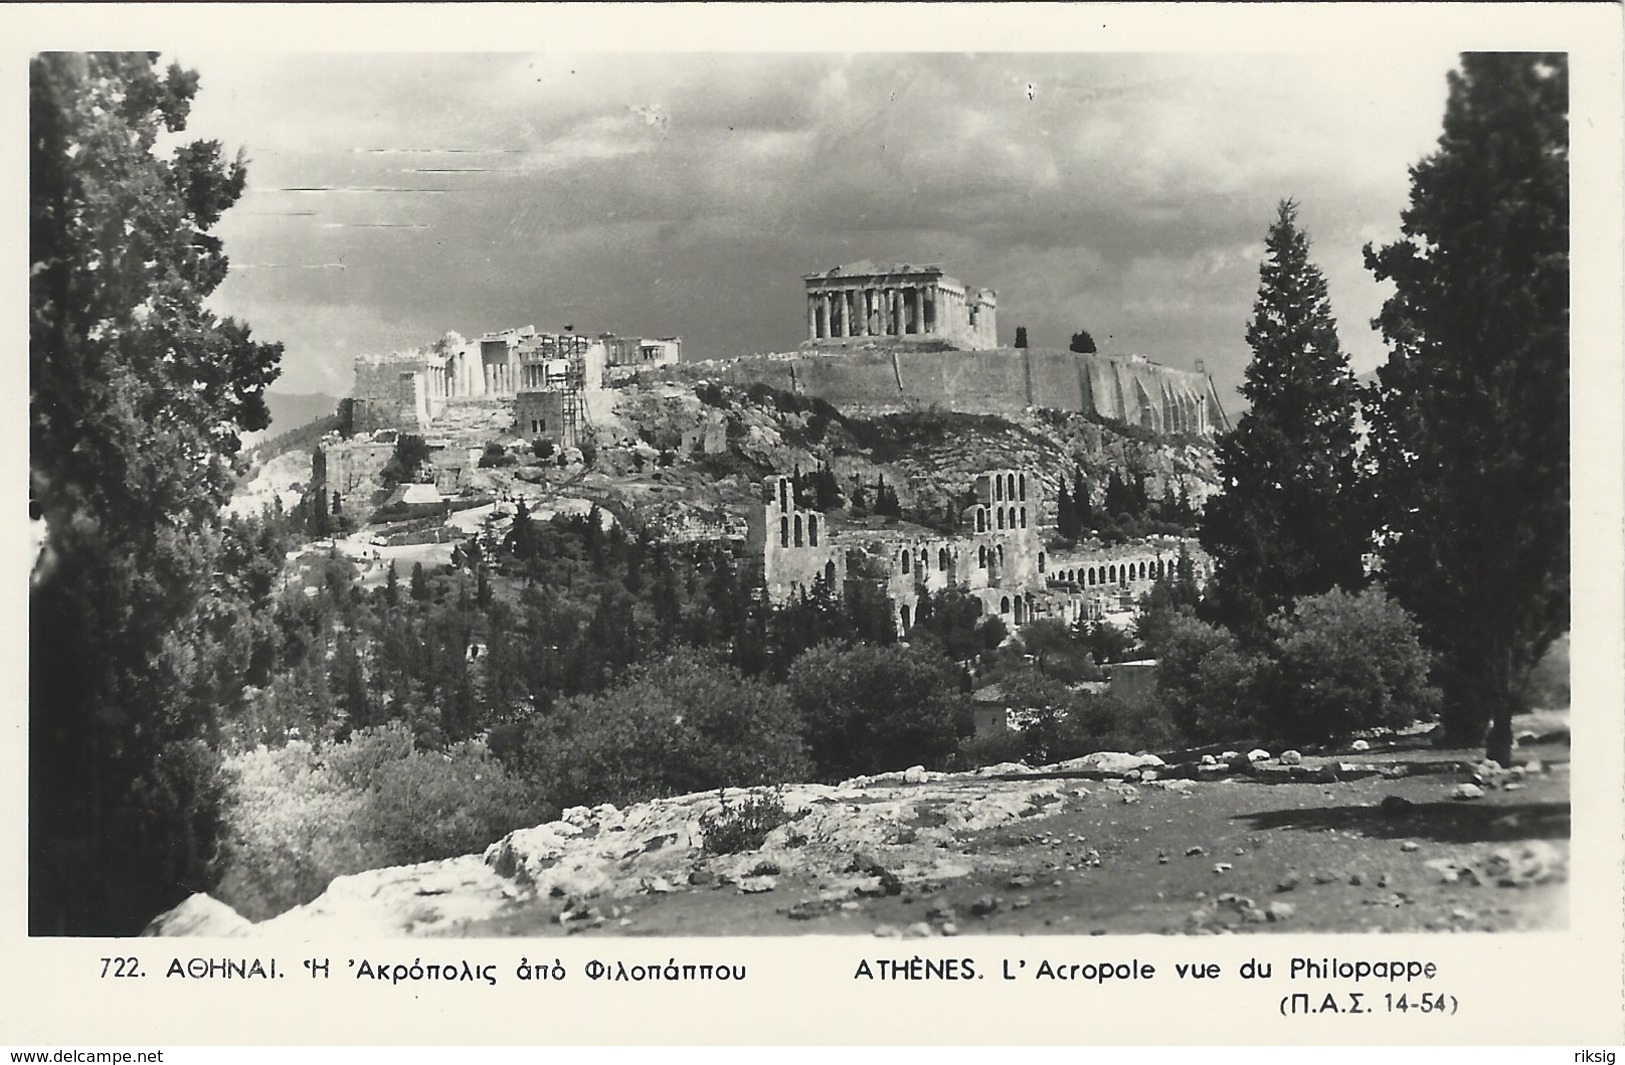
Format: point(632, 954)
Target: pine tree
point(1285, 526)
point(1021, 336)
point(1470, 416)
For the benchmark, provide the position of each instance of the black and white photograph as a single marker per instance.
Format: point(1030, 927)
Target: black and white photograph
point(535, 492)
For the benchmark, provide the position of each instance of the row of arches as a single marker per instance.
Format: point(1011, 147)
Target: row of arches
point(1117, 573)
point(1004, 518)
point(791, 536)
point(1009, 487)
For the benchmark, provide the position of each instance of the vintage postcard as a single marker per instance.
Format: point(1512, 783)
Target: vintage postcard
point(1017, 523)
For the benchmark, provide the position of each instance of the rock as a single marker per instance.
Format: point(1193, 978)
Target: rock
point(851, 906)
point(914, 775)
point(917, 930)
point(1355, 879)
point(756, 885)
point(1533, 766)
point(1020, 902)
point(1410, 845)
point(1208, 759)
point(199, 915)
point(1020, 880)
point(1162, 859)
point(1280, 911)
point(1225, 756)
point(1489, 774)
point(948, 928)
point(1288, 882)
point(1359, 745)
point(1113, 761)
point(984, 905)
point(1466, 792)
point(1291, 758)
point(1194, 852)
point(1181, 786)
point(658, 885)
point(1258, 754)
point(888, 931)
point(1223, 867)
point(1322, 878)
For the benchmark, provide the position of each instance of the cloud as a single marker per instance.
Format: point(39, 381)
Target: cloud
point(688, 193)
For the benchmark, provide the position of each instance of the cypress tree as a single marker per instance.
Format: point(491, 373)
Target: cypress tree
point(1470, 416)
point(1285, 526)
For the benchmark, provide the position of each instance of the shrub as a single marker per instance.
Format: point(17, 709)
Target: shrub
point(303, 814)
point(868, 709)
point(682, 724)
point(1207, 683)
point(1345, 662)
point(736, 829)
point(542, 448)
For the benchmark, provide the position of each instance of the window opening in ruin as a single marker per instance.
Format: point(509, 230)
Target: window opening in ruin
point(981, 557)
point(1010, 479)
point(1024, 486)
point(905, 560)
point(981, 520)
point(784, 495)
point(998, 489)
point(798, 530)
point(1001, 517)
point(1001, 556)
point(1023, 517)
point(812, 530)
point(1041, 562)
point(1111, 574)
point(784, 532)
point(903, 614)
point(1004, 605)
point(829, 573)
point(942, 559)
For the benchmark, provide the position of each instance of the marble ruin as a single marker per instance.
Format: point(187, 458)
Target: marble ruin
point(412, 390)
point(999, 558)
point(865, 301)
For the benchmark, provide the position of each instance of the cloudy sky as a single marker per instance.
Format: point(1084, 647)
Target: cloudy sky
point(394, 197)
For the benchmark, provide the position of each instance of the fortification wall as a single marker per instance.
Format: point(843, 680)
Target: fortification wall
point(1004, 381)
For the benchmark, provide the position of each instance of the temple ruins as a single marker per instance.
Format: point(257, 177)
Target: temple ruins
point(864, 301)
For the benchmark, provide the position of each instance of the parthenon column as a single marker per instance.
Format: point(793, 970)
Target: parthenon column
point(812, 317)
point(854, 300)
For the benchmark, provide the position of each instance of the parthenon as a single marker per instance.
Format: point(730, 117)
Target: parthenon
point(864, 301)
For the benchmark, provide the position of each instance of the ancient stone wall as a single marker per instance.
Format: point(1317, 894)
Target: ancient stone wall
point(1007, 381)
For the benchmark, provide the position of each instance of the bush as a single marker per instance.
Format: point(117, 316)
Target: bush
point(303, 814)
point(1207, 684)
point(685, 723)
point(1343, 663)
point(542, 448)
point(868, 709)
point(736, 829)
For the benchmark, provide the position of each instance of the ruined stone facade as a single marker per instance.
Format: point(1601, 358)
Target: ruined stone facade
point(899, 302)
point(411, 390)
point(999, 558)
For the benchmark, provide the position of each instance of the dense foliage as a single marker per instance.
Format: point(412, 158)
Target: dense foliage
point(137, 394)
point(1470, 415)
point(1284, 525)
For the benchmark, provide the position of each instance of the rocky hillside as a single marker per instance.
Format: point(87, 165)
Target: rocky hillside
point(927, 456)
point(1386, 835)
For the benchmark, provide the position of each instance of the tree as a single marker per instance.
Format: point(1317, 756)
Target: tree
point(1345, 662)
point(1470, 416)
point(1284, 525)
point(137, 394)
point(420, 583)
point(1021, 336)
point(411, 452)
point(868, 709)
point(1082, 343)
point(1207, 681)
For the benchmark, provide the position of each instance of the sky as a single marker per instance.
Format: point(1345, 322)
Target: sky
point(394, 197)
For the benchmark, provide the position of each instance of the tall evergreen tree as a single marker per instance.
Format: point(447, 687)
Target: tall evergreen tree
point(137, 394)
point(1470, 417)
point(1066, 514)
point(1021, 336)
point(1285, 525)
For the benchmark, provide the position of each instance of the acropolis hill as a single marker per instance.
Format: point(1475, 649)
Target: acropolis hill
point(902, 337)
